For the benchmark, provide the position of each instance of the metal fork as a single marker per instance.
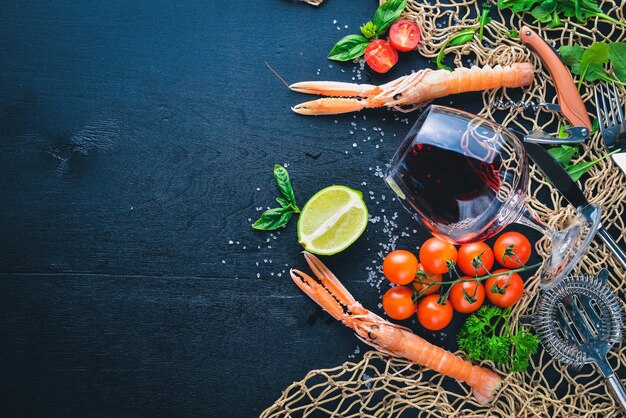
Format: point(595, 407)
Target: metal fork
point(612, 125)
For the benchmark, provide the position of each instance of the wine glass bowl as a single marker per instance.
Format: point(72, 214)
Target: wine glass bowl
point(465, 179)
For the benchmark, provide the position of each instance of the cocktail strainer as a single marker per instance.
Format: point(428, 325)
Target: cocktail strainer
point(578, 321)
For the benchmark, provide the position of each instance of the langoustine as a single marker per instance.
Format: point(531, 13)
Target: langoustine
point(390, 338)
point(409, 92)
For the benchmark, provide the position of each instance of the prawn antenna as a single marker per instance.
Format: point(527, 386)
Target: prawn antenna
point(276, 74)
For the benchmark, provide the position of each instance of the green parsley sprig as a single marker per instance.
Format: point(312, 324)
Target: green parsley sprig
point(488, 335)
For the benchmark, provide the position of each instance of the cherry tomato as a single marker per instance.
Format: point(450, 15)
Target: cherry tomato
point(435, 253)
point(504, 290)
point(404, 35)
point(432, 314)
point(398, 302)
point(426, 283)
point(400, 267)
point(512, 250)
point(475, 259)
point(466, 297)
point(380, 56)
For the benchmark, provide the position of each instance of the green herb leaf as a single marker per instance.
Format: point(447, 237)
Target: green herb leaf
point(455, 40)
point(617, 55)
point(369, 30)
point(482, 338)
point(576, 171)
point(348, 48)
point(512, 33)
point(283, 202)
point(484, 19)
point(387, 13)
point(592, 62)
point(284, 184)
point(273, 219)
point(462, 37)
point(563, 153)
point(571, 56)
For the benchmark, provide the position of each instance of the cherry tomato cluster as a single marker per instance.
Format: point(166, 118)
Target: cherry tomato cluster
point(404, 35)
point(465, 292)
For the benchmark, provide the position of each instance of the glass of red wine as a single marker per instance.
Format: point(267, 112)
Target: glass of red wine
point(465, 178)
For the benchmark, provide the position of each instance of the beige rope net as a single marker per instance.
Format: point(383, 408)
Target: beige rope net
point(382, 386)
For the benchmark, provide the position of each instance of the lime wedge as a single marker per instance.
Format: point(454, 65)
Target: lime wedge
point(332, 220)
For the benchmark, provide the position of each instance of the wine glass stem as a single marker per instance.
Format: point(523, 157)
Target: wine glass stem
point(528, 219)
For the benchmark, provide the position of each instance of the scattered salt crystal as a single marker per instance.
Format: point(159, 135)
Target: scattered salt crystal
point(230, 242)
point(354, 144)
point(334, 21)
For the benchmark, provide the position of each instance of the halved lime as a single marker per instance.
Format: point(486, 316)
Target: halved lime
point(332, 220)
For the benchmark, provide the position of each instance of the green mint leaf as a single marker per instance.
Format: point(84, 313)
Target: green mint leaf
point(387, 13)
point(369, 30)
point(273, 219)
point(571, 56)
point(284, 184)
point(617, 55)
point(348, 48)
point(595, 126)
point(563, 153)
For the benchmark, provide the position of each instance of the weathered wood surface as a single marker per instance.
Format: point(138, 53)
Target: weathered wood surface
point(133, 138)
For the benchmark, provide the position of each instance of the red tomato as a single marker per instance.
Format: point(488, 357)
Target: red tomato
point(400, 267)
point(398, 302)
point(432, 314)
point(466, 297)
point(426, 283)
point(504, 290)
point(404, 35)
point(475, 259)
point(435, 254)
point(512, 250)
point(380, 56)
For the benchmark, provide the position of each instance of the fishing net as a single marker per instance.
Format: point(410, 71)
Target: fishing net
point(382, 386)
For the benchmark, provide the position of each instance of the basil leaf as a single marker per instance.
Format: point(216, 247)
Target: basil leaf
point(592, 61)
point(273, 219)
point(387, 13)
point(284, 184)
point(563, 154)
point(617, 55)
point(369, 30)
point(348, 48)
point(571, 56)
point(283, 202)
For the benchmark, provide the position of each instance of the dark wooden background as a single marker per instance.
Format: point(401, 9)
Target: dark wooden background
point(137, 141)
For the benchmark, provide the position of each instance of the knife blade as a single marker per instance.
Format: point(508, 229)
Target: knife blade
point(571, 103)
point(568, 188)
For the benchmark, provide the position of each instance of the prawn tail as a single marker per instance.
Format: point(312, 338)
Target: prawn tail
point(462, 80)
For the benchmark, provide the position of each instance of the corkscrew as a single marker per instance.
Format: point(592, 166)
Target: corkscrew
point(570, 102)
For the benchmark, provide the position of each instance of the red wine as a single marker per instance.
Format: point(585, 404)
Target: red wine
point(447, 187)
